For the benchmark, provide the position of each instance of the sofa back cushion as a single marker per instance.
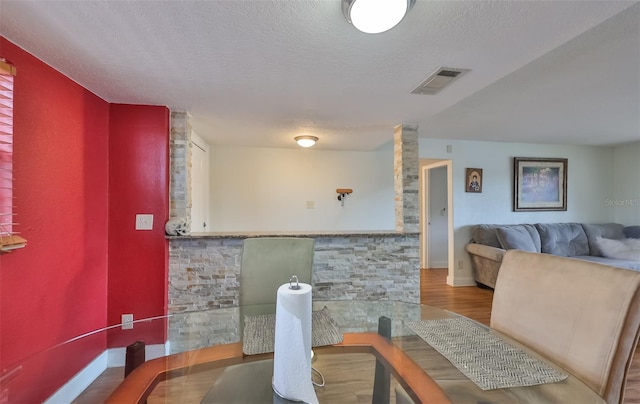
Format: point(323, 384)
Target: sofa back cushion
point(613, 231)
point(485, 234)
point(582, 315)
point(632, 232)
point(522, 237)
point(564, 239)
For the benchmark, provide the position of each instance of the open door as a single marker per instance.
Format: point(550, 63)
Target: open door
point(437, 216)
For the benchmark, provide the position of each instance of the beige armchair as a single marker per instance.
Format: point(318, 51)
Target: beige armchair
point(583, 316)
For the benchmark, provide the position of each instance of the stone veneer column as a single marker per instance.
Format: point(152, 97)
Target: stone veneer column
point(180, 171)
point(406, 183)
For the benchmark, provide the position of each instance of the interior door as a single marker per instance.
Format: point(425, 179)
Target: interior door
point(438, 218)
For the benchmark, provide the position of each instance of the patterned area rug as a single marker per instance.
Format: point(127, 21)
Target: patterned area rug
point(259, 332)
point(487, 360)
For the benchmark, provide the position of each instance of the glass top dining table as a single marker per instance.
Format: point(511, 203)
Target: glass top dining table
point(208, 365)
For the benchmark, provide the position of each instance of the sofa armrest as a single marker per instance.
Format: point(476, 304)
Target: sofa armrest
point(485, 251)
point(486, 262)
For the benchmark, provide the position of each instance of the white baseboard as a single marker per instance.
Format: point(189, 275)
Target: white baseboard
point(78, 383)
point(113, 357)
point(460, 281)
point(117, 356)
point(439, 264)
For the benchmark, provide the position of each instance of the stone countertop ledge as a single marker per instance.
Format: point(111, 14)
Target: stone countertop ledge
point(363, 233)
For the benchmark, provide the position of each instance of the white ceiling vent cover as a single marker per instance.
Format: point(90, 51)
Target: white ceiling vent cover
point(439, 80)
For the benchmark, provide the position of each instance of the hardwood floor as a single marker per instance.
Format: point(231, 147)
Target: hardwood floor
point(470, 301)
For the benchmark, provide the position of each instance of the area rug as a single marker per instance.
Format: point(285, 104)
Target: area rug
point(490, 362)
point(259, 332)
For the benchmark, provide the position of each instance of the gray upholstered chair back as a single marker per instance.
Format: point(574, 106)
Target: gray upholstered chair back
point(268, 262)
point(582, 315)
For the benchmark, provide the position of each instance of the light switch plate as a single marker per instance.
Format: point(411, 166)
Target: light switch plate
point(127, 321)
point(144, 222)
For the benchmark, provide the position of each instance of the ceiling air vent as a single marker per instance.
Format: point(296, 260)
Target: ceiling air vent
point(439, 80)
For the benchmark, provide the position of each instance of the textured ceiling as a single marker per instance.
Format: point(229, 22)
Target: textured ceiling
point(259, 72)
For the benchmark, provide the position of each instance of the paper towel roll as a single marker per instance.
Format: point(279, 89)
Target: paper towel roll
point(292, 350)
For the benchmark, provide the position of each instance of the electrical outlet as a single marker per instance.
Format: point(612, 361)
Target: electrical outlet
point(144, 222)
point(311, 205)
point(460, 264)
point(127, 321)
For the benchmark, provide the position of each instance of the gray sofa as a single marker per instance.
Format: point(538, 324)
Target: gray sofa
point(490, 241)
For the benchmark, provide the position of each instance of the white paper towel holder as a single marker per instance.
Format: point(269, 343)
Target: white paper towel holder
point(291, 285)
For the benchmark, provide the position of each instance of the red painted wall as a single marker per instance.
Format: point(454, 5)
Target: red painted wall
point(138, 183)
point(55, 288)
point(83, 168)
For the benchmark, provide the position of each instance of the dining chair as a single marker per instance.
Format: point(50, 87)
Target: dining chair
point(269, 262)
point(582, 315)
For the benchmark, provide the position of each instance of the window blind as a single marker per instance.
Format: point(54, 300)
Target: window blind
point(9, 238)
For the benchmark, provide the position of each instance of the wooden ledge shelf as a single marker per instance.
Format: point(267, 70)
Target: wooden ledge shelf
point(10, 243)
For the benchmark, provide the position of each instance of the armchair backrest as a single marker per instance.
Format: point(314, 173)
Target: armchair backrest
point(584, 316)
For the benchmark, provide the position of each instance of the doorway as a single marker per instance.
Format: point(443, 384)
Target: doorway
point(436, 216)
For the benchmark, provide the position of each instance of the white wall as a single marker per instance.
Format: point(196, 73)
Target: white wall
point(590, 182)
point(266, 189)
point(262, 189)
point(625, 200)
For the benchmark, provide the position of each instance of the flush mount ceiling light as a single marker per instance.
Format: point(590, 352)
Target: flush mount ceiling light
point(306, 141)
point(375, 16)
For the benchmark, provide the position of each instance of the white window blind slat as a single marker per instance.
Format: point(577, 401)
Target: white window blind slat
point(9, 238)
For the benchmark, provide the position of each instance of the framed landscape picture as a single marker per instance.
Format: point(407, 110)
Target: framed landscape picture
point(474, 180)
point(539, 184)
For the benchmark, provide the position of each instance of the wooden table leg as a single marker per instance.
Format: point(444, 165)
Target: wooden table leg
point(382, 380)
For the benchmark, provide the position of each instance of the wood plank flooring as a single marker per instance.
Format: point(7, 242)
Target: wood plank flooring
point(469, 301)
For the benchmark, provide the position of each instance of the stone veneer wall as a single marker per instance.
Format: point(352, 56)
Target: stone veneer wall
point(203, 275)
point(203, 271)
point(406, 168)
point(180, 160)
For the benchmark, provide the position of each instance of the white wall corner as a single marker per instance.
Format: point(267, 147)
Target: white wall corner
point(460, 281)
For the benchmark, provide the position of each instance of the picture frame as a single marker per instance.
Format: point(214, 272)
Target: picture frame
point(540, 184)
point(473, 182)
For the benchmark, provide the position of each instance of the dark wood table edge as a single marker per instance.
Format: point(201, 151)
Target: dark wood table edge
point(138, 385)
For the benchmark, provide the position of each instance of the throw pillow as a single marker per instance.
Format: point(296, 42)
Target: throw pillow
point(623, 249)
point(605, 230)
point(516, 238)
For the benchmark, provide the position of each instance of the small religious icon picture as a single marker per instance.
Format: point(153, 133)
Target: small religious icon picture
point(474, 180)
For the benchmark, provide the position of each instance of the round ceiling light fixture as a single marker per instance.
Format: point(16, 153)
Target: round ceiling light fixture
point(306, 141)
point(375, 16)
